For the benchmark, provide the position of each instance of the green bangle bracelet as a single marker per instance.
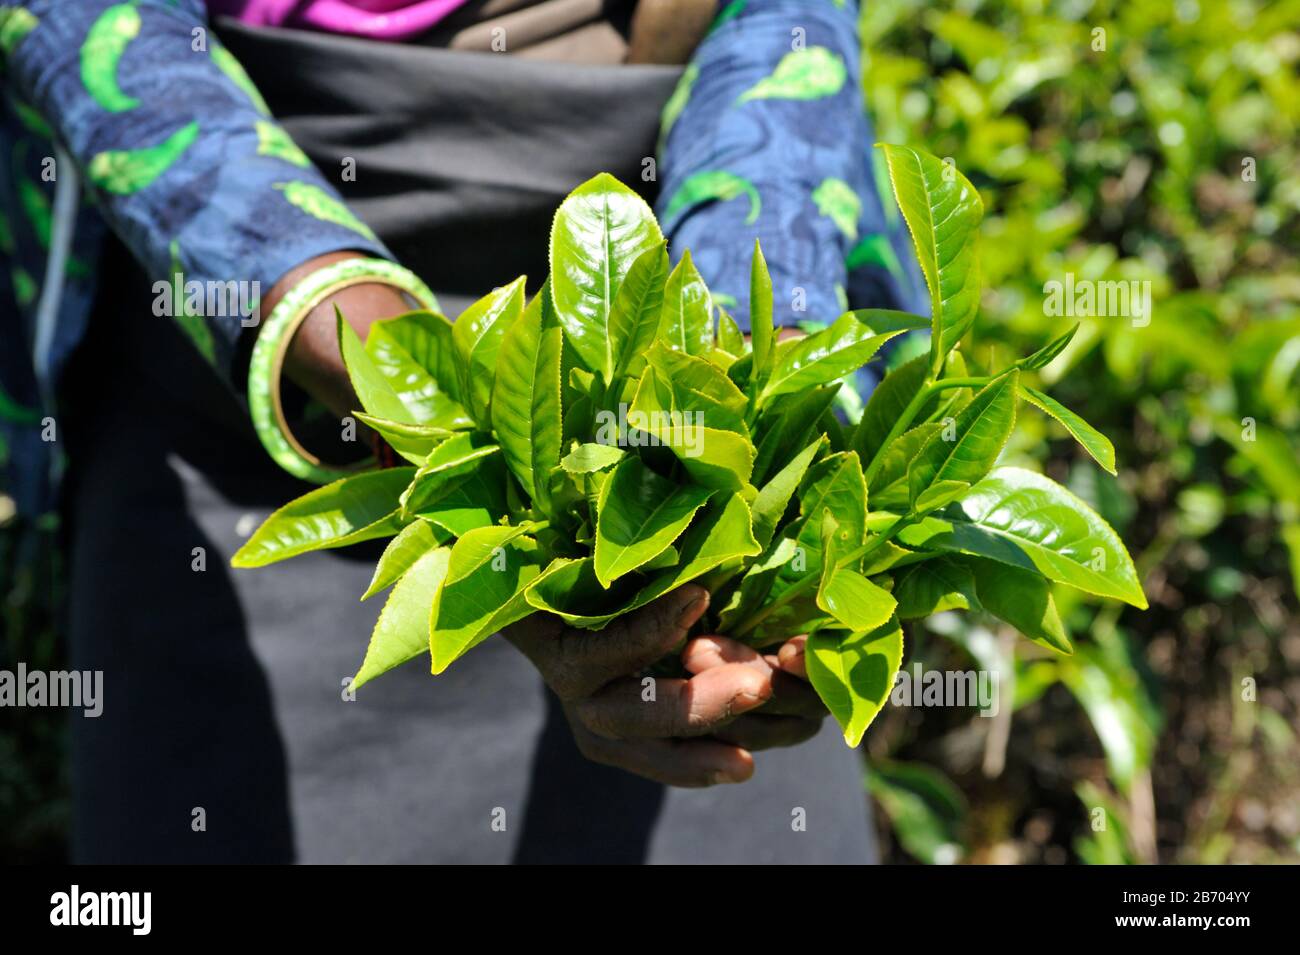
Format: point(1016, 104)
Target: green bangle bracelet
point(273, 343)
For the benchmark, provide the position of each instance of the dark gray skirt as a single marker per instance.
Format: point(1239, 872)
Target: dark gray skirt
point(226, 735)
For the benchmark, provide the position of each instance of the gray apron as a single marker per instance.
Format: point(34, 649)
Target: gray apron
point(226, 735)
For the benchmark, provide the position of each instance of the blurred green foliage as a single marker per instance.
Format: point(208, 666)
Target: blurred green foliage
point(1151, 141)
point(33, 743)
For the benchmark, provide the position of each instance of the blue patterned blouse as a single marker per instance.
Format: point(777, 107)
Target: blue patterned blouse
point(765, 137)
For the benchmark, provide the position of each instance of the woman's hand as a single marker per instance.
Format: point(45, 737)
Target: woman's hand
point(792, 715)
point(697, 731)
point(671, 730)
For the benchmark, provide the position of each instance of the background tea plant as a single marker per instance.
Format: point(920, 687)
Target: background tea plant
point(1168, 155)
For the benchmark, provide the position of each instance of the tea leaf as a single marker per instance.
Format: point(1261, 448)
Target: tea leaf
point(934, 586)
point(590, 457)
point(970, 447)
point(411, 441)
point(942, 211)
point(700, 388)
point(571, 591)
point(526, 413)
point(402, 631)
point(854, 673)
point(1048, 352)
point(774, 498)
point(790, 424)
point(575, 593)
point(1092, 440)
point(427, 338)
point(833, 485)
point(372, 386)
point(637, 312)
point(883, 320)
point(487, 574)
point(886, 404)
point(761, 331)
point(730, 338)
point(451, 459)
point(852, 599)
point(1029, 521)
point(1023, 599)
point(418, 390)
point(403, 551)
point(640, 513)
point(889, 484)
point(825, 356)
point(721, 533)
point(715, 458)
point(687, 322)
point(757, 583)
point(939, 495)
point(352, 509)
point(599, 231)
point(474, 498)
point(477, 336)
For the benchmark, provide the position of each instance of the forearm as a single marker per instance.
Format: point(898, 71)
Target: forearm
point(180, 155)
point(313, 361)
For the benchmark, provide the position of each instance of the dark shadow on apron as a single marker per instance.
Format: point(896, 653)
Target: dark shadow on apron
point(567, 824)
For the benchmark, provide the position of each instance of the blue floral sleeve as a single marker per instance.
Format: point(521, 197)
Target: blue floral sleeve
point(766, 137)
point(176, 149)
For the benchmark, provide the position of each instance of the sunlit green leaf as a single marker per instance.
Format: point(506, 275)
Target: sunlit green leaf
point(826, 356)
point(403, 551)
point(687, 321)
point(640, 514)
point(350, 510)
point(854, 601)
point(1029, 521)
point(487, 573)
point(854, 673)
point(943, 211)
point(477, 336)
point(1092, 440)
point(968, 449)
point(526, 413)
point(599, 231)
point(402, 632)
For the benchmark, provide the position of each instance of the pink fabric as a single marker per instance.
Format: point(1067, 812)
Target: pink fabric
point(376, 19)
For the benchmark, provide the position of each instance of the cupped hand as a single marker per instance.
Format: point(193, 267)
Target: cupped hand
point(671, 730)
point(792, 714)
